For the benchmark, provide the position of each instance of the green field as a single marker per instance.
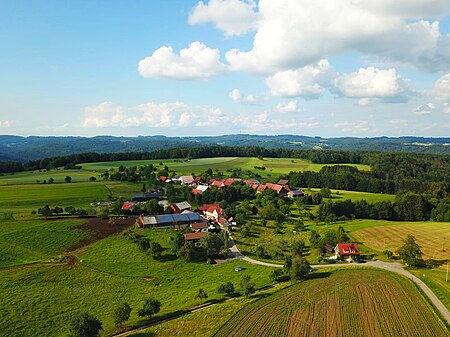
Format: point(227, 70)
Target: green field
point(27, 198)
point(274, 166)
point(433, 237)
point(31, 177)
point(342, 303)
point(24, 242)
point(435, 279)
point(341, 195)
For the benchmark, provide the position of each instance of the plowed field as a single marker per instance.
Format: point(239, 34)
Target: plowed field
point(346, 303)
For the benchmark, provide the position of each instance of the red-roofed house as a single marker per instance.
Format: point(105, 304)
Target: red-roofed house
point(277, 188)
point(162, 178)
point(229, 181)
point(195, 238)
point(211, 211)
point(127, 206)
point(261, 188)
point(218, 183)
point(199, 226)
point(346, 251)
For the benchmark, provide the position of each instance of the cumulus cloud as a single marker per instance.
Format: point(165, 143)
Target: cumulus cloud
point(6, 123)
point(441, 92)
point(237, 97)
point(151, 114)
point(233, 17)
point(195, 62)
point(424, 109)
point(294, 33)
point(291, 106)
point(308, 82)
point(372, 82)
point(353, 127)
point(263, 121)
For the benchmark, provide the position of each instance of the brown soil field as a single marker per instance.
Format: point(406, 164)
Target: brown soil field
point(361, 302)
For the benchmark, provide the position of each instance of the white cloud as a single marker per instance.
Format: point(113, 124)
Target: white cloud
point(195, 62)
point(6, 123)
point(291, 106)
point(401, 122)
point(233, 17)
point(353, 127)
point(424, 109)
point(441, 91)
point(308, 82)
point(153, 115)
point(364, 101)
point(373, 83)
point(237, 97)
point(263, 121)
point(294, 33)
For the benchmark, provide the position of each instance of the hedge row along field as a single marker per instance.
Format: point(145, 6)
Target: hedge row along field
point(343, 303)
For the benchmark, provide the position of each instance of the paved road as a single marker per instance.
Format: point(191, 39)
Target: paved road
point(390, 266)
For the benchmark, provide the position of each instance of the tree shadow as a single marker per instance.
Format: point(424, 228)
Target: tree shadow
point(433, 263)
point(144, 334)
point(319, 275)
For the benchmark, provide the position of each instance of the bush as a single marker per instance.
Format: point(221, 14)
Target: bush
point(388, 253)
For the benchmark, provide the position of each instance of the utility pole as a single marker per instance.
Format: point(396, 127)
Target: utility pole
point(446, 276)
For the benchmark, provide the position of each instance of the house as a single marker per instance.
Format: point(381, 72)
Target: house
point(295, 194)
point(187, 180)
point(217, 183)
point(168, 220)
point(200, 189)
point(230, 181)
point(199, 226)
point(162, 178)
point(281, 190)
point(261, 188)
point(283, 182)
point(346, 251)
point(211, 211)
point(128, 206)
point(145, 197)
point(250, 182)
point(195, 237)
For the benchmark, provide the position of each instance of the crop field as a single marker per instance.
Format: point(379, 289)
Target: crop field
point(433, 237)
point(30, 241)
point(343, 303)
point(341, 195)
point(26, 198)
point(31, 177)
point(274, 166)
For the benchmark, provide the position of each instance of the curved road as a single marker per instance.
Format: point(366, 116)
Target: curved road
point(390, 266)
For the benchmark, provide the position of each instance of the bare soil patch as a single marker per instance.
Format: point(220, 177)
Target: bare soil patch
point(100, 229)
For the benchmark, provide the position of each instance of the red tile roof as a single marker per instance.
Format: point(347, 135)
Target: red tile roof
point(195, 236)
point(127, 206)
point(199, 225)
point(277, 188)
point(348, 249)
point(209, 208)
point(163, 178)
point(261, 187)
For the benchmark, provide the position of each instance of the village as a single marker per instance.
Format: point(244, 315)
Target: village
point(197, 223)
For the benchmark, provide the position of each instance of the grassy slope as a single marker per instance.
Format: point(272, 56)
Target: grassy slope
point(435, 279)
point(274, 166)
point(345, 302)
point(23, 242)
point(341, 195)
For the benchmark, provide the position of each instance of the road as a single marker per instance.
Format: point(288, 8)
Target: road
point(390, 266)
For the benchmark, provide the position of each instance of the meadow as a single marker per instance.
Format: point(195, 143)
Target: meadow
point(433, 237)
point(342, 303)
point(341, 195)
point(274, 166)
point(32, 241)
point(435, 280)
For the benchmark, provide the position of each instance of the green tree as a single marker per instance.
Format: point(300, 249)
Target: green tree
point(201, 295)
point(68, 179)
point(300, 268)
point(51, 180)
point(212, 244)
point(152, 207)
point(155, 250)
point(151, 307)
point(122, 314)
point(298, 246)
point(275, 274)
point(226, 288)
point(342, 235)
point(187, 252)
point(315, 239)
point(45, 211)
point(92, 178)
point(85, 325)
point(247, 287)
point(410, 252)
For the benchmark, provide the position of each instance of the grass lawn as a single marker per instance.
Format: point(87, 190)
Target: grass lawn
point(26, 198)
point(30, 177)
point(361, 302)
point(24, 242)
point(435, 279)
point(274, 166)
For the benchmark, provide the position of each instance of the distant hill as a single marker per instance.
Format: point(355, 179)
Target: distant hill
point(29, 148)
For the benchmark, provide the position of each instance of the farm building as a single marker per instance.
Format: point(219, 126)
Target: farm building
point(165, 220)
point(346, 251)
point(200, 189)
point(199, 226)
point(211, 211)
point(280, 189)
point(283, 182)
point(145, 197)
point(295, 194)
point(187, 180)
point(195, 238)
point(180, 207)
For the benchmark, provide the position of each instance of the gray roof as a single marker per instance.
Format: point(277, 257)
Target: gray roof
point(183, 205)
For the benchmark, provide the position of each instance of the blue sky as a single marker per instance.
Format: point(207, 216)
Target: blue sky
point(327, 68)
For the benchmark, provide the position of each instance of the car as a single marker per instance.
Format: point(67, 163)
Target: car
point(237, 268)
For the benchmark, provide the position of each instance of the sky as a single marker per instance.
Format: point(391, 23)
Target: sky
point(327, 68)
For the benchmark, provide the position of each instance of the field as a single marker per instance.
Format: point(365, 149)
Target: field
point(31, 241)
point(274, 166)
point(342, 303)
point(435, 280)
point(40, 300)
point(433, 237)
point(341, 195)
